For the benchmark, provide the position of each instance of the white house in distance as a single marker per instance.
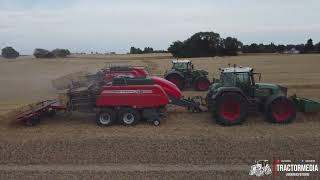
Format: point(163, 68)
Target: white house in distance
point(292, 51)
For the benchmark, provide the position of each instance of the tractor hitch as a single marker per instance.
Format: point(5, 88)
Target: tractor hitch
point(195, 104)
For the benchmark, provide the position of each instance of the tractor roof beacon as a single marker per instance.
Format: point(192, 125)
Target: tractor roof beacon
point(183, 75)
point(236, 94)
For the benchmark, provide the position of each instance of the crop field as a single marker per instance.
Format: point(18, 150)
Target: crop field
point(185, 145)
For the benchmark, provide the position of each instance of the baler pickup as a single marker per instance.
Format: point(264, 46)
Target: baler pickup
point(305, 105)
point(32, 113)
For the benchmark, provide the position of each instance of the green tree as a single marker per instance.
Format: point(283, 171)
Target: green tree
point(281, 48)
point(204, 44)
point(309, 46)
point(177, 49)
point(9, 52)
point(252, 48)
point(148, 50)
point(42, 53)
point(60, 52)
point(317, 47)
point(231, 46)
point(134, 50)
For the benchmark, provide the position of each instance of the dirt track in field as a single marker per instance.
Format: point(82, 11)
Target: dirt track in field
point(183, 139)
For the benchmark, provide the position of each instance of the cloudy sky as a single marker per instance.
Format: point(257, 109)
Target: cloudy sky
point(110, 25)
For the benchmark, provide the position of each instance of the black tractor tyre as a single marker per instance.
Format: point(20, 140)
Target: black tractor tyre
point(33, 121)
point(129, 116)
point(201, 84)
point(177, 80)
point(230, 109)
point(106, 117)
point(280, 110)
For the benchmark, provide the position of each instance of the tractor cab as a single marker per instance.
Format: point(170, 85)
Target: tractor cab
point(244, 79)
point(241, 77)
point(182, 65)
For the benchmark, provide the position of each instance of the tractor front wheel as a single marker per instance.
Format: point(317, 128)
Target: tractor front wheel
point(202, 84)
point(231, 109)
point(281, 110)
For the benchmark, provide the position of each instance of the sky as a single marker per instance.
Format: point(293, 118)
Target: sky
point(116, 25)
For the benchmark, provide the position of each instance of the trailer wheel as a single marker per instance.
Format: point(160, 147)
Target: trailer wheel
point(156, 122)
point(202, 84)
point(129, 116)
point(33, 121)
point(280, 110)
point(106, 117)
point(231, 109)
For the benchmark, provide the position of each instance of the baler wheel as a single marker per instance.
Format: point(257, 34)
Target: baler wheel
point(105, 117)
point(281, 110)
point(129, 116)
point(156, 122)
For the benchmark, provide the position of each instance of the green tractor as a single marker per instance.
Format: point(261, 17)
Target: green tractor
point(183, 75)
point(236, 94)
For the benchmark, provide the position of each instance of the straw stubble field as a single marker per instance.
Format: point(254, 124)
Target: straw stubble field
point(184, 146)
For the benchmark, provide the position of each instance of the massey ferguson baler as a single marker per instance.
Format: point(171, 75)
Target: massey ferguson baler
point(123, 100)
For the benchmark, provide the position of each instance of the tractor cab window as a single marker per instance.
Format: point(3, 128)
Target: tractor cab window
point(243, 79)
point(181, 66)
point(228, 79)
point(235, 79)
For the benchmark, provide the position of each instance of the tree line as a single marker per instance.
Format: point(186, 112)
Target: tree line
point(11, 53)
point(146, 50)
point(309, 47)
point(204, 44)
point(201, 44)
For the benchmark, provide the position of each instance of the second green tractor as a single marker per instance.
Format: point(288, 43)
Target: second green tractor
point(183, 75)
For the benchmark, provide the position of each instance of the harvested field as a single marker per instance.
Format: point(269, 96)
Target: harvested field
point(184, 146)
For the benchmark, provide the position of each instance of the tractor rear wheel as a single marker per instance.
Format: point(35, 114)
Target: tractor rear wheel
point(231, 109)
point(280, 110)
point(105, 117)
point(177, 80)
point(129, 116)
point(202, 84)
